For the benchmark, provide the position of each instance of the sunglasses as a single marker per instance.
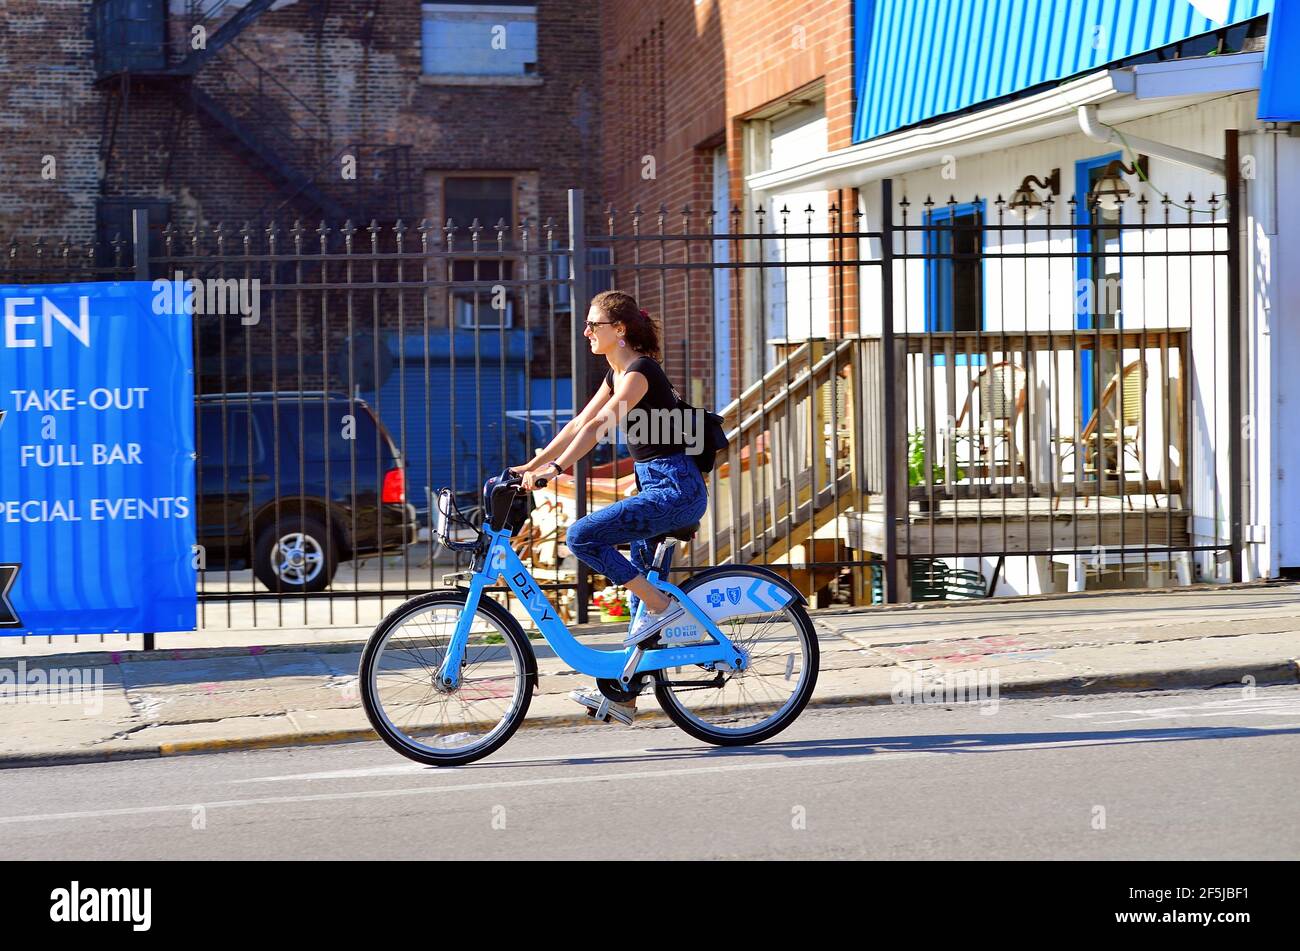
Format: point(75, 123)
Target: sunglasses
point(593, 324)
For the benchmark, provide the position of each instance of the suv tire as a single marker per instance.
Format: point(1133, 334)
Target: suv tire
point(303, 541)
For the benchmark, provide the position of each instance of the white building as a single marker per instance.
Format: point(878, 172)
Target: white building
point(1012, 314)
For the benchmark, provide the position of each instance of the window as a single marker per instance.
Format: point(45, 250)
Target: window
point(488, 199)
point(798, 297)
point(224, 443)
point(1098, 266)
point(113, 220)
point(954, 281)
point(480, 39)
point(477, 304)
point(600, 275)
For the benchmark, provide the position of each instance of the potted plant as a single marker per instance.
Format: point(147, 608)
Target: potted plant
point(916, 474)
point(613, 604)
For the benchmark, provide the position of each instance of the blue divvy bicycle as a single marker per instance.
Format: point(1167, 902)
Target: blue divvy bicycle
point(447, 677)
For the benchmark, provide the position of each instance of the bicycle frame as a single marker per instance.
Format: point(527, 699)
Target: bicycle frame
point(500, 560)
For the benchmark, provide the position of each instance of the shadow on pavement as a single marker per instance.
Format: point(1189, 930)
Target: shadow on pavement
point(954, 743)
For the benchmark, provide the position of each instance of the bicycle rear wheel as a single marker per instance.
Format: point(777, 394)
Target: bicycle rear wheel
point(419, 718)
point(727, 708)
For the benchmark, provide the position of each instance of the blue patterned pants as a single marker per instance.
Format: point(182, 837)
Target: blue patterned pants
point(672, 495)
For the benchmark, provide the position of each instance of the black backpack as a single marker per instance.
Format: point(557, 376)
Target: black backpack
point(715, 435)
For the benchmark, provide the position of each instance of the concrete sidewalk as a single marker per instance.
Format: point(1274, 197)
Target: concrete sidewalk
point(248, 691)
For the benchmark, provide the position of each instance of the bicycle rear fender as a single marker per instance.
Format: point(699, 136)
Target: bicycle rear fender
point(730, 590)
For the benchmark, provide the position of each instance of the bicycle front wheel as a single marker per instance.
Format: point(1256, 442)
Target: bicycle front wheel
point(419, 718)
point(735, 709)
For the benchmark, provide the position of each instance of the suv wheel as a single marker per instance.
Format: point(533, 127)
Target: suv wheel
point(295, 554)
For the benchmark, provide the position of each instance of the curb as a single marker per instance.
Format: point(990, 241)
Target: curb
point(1205, 677)
point(108, 658)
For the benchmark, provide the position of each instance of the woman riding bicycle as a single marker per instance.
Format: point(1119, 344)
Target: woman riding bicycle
point(637, 395)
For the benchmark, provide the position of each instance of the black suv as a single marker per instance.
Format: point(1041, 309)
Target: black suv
point(298, 482)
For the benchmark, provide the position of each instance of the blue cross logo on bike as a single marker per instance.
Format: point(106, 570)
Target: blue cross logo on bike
point(448, 677)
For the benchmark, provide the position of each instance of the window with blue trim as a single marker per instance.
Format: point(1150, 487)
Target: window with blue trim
point(1099, 272)
point(954, 272)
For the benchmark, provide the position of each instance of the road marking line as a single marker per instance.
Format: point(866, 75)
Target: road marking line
point(802, 761)
point(464, 787)
point(401, 768)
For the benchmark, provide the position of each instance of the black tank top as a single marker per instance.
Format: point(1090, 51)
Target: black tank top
point(650, 434)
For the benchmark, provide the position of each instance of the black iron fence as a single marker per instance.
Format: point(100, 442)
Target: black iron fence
point(957, 401)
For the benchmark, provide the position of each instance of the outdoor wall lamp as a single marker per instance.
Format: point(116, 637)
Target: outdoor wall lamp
point(1111, 191)
point(1025, 203)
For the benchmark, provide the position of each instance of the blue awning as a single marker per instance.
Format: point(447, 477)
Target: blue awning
point(918, 59)
point(1279, 97)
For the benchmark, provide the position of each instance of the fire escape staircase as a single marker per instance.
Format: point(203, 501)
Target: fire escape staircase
point(251, 110)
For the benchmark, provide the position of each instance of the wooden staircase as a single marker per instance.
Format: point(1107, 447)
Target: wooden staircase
point(793, 466)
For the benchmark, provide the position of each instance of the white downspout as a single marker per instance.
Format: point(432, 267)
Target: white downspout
point(1094, 129)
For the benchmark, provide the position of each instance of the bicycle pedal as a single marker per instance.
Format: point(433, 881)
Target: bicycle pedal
point(603, 710)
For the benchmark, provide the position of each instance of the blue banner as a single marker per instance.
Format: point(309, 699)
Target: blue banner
point(97, 520)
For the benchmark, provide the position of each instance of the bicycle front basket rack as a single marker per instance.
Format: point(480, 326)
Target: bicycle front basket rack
point(449, 518)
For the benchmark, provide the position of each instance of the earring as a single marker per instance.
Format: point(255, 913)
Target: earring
point(621, 341)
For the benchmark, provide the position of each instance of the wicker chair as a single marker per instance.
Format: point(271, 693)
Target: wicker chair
point(1102, 438)
point(1002, 392)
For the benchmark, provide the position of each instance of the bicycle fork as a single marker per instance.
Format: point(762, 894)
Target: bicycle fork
point(447, 676)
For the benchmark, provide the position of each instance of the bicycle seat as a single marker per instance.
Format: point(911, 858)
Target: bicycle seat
point(685, 534)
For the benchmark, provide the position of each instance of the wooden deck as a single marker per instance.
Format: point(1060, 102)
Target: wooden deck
point(1019, 526)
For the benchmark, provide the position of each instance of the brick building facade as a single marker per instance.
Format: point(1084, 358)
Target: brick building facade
point(653, 104)
point(310, 78)
point(693, 91)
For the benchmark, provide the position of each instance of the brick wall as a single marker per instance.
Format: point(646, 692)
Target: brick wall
point(334, 75)
point(347, 77)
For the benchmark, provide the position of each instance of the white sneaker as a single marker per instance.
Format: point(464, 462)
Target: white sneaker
point(648, 624)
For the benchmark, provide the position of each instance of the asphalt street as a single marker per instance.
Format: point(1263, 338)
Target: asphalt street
point(1179, 775)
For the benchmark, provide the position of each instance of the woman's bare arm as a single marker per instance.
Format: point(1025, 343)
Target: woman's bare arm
point(629, 392)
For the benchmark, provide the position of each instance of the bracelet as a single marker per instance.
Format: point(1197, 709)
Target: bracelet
point(559, 469)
